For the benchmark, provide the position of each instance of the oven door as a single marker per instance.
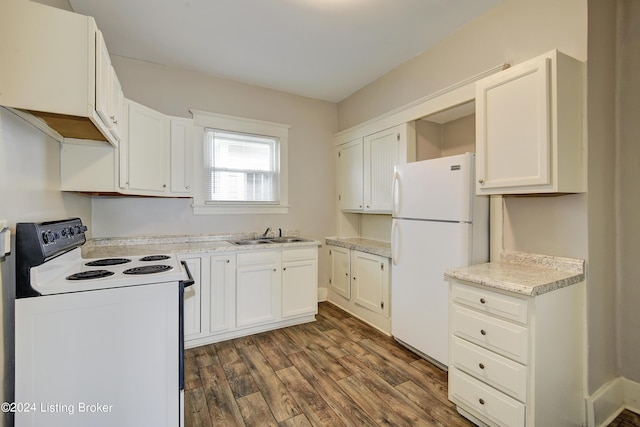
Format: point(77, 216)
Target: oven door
point(99, 358)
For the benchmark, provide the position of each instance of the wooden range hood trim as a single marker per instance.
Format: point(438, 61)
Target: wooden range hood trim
point(71, 126)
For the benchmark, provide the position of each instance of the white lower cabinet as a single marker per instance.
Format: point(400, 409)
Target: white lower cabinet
point(241, 293)
point(516, 360)
point(258, 289)
point(360, 284)
point(299, 282)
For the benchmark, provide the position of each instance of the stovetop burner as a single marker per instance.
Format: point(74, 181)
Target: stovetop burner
point(107, 262)
point(148, 269)
point(154, 257)
point(90, 274)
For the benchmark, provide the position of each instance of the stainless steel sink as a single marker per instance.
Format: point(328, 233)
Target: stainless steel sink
point(270, 241)
point(252, 242)
point(289, 240)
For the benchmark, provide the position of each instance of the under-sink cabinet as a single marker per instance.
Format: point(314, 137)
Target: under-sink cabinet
point(360, 284)
point(529, 125)
point(242, 293)
point(516, 360)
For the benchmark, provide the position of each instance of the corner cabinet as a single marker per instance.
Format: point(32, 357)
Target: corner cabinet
point(529, 122)
point(360, 285)
point(365, 168)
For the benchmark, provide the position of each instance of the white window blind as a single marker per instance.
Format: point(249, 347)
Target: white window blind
point(241, 167)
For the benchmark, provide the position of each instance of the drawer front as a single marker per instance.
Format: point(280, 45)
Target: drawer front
point(258, 257)
point(506, 306)
point(299, 254)
point(505, 338)
point(487, 402)
point(504, 374)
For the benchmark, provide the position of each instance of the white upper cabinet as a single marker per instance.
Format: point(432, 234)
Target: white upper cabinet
point(529, 128)
point(365, 168)
point(109, 96)
point(350, 178)
point(48, 68)
point(181, 155)
point(144, 160)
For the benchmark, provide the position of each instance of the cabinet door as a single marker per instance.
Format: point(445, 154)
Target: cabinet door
point(299, 287)
point(258, 279)
point(103, 79)
point(181, 159)
point(222, 298)
point(148, 150)
point(116, 101)
point(340, 281)
point(513, 128)
point(350, 178)
point(192, 301)
point(381, 154)
point(370, 281)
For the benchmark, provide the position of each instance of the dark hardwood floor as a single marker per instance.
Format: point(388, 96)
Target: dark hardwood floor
point(332, 372)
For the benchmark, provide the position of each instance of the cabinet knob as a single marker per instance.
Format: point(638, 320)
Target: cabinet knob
point(274, 270)
point(284, 268)
point(187, 187)
point(164, 185)
point(228, 261)
point(481, 401)
point(481, 366)
point(483, 332)
point(481, 181)
point(368, 206)
point(482, 301)
point(354, 277)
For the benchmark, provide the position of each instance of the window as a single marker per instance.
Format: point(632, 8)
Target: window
point(241, 165)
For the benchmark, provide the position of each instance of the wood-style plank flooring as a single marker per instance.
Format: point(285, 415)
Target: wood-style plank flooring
point(332, 372)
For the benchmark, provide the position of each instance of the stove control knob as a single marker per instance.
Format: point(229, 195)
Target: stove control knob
point(48, 236)
point(64, 232)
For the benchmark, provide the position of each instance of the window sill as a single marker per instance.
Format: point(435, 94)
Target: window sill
point(239, 209)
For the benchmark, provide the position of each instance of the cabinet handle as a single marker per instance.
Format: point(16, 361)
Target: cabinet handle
point(284, 269)
point(274, 270)
point(354, 277)
point(228, 261)
point(482, 300)
point(481, 366)
point(481, 401)
point(482, 331)
point(481, 181)
point(368, 206)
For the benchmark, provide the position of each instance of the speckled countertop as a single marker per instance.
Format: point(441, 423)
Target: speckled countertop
point(179, 244)
point(523, 273)
point(375, 247)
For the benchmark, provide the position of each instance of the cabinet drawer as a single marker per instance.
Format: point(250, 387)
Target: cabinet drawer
point(258, 257)
point(490, 302)
point(504, 374)
point(299, 254)
point(505, 338)
point(480, 399)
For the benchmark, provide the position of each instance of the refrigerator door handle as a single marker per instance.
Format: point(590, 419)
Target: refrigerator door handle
point(395, 236)
point(396, 193)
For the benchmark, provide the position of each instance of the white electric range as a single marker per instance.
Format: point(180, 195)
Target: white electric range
point(98, 341)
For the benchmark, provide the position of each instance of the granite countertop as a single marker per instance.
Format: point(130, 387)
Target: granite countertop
point(182, 244)
point(523, 273)
point(375, 247)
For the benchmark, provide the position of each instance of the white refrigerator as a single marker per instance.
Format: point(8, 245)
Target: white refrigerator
point(438, 223)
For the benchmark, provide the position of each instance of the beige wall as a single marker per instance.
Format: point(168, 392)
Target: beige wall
point(311, 165)
point(514, 31)
point(29, 191)
point(629, 189)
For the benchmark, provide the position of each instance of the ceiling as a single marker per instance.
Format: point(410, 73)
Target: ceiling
point(324, 49)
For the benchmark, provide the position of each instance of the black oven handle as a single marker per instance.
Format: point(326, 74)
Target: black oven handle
point(189, 281)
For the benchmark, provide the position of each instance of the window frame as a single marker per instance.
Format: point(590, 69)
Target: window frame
point(204, 120)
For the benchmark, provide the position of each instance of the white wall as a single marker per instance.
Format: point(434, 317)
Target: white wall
point(311, 166)
point(29, 191)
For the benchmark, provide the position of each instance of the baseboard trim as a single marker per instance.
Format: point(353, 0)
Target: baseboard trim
point(611, 399)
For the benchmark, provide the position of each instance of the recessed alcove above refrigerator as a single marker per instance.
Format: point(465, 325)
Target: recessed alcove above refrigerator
point(446, 133)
